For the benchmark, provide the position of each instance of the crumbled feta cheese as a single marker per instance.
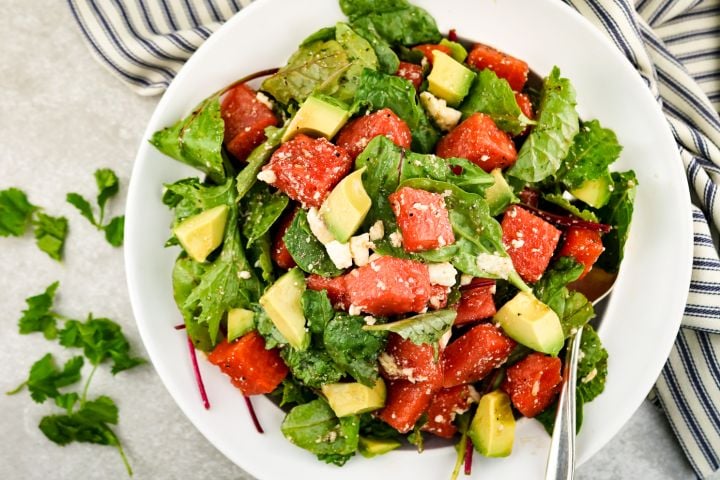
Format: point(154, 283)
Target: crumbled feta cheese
point(445, 117)
point(465, 279)
point(267, 176)
point(354, 310)
point(360, 248)
point(494, 265)
point(439, 418)
point(318, 228)
point(589, 377)
point(517, 243)
point(339, 253)
point(396, 239)
point(377, 231)
point(245, 275)
point(262, 98)
point(370, 320)
point(442, 274)
point(420, 206)
point(535, 388)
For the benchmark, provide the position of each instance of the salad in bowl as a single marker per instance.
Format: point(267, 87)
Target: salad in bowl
point(388, 236)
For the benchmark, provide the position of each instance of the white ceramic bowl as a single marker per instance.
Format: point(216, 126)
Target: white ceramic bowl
point(644, 313)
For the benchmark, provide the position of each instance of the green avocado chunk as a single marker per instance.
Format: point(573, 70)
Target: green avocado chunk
point(449, 79)
point(318, 116)
point(530, 322)
point(372, 447)
point(354, 398)
point(200, 234)
point(492, 430)
point(346, 207)
point(239, 322)
point(595, 192)
point(500, 194)
point(457, 51)
point(282, 302)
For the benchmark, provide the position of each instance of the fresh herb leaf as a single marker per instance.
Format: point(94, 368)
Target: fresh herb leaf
point(45, 378)
point(115, 231)
point(494, 97)
point(186, 276)
point(377, 90)
point(618, 213)
point(317, 310)
point(593, 149)
point(306, 249)
point(50, 233)
point(67, 401)
point(38, 316)
point(15, 212)
point(101, 339)
point(354, 349)
point(550, 140)
point(83, 206)
point(262, 207)
point(196, 140)
point(108, 186)
point(424, 328)
point(565, 204)
point(313, 366)
point(396, 21)
point(314, 427)
point(470, 178)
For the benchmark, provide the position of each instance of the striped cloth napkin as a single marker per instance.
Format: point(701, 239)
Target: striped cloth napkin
point(675, 46)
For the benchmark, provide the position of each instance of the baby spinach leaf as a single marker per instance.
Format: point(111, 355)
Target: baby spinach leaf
point(354, 349)
point(325, 33)
point(493, 96)
point(317, 309)
point(593, 149)
point(196, 140)
point(38, 316)
point(388, 61)
point(15, 212)
point(259, 254)
point(470, 177)
point(378, 90)
point(314, 427)
point(396, 21)
point(261, 209)
point(550, 140)
point(306, 249)
point(313, 366)
point(566, 205)
point(45, 379)
point(294, 393)
point(186, 276)
point(618, 213)
point(592, 366)
point(361, 56)
point(423, 328)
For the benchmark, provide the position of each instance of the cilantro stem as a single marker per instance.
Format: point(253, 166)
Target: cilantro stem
point(87, 386)
point(17, 389)
point(124, 459)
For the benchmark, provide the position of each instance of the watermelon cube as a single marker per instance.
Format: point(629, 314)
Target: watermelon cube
point(405, 360)
point(476, 302)
point(512, 69)
point(245, 119)
point(279, 252)
point(355, 136)
point(405, 403)
point(335, 287)
point(584, 245)
point(533, 382)
point(530, 241)
point(445, 406)
point(423, 219)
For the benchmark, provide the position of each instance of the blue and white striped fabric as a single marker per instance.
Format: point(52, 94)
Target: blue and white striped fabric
point(675, 46)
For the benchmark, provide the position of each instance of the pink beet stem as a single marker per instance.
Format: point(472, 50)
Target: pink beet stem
point(249, 404)
point(468, 456)
point(568, 220)
point(180, 326)
point(198, 377)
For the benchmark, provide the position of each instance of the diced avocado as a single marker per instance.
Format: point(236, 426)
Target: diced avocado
point(595, 192)
point(457, 51)
point(345, 208)
point(527, 320)
point(200, 234)
point(449, 79)
point(282, 302)
point(372, 447)
point(239, 322)
point(354, 398)
point(319, 116)
point(500, 194)
point(492, 430)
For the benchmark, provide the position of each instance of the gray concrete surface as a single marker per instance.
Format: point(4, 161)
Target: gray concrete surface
point(61, 117)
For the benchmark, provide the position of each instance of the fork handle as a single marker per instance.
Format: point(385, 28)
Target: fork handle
point(561, 458)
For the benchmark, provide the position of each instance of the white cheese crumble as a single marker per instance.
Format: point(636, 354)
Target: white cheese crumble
point(377, 231)
point(360, 249)
point(318, 228)
point(262, 98)
point(245, 275)
point(354, 310)
point(370, 320)
point(442, 274)
point(589, 377)
point(494, 265)
point(396, 239)
point(339, 253)
point(465, 279)
point(267, 176)
point(445, 117)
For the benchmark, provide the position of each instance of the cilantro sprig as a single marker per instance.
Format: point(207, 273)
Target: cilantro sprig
point(101, 340)
point(108, 186)
point(17, 214)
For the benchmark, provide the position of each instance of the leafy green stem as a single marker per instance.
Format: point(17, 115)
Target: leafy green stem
point(87, 386)
point(17, 389)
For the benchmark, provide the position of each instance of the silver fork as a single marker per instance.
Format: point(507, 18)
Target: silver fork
point(596, 286)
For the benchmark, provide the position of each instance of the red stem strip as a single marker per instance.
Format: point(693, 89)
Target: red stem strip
point(249, 404)
point(198, 377)
point(468, 456)
point(568, 221)
point(180, 326)
point(452, 35)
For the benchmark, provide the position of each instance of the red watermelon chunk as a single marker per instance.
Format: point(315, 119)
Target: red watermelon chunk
point(245, 120)
point(438, 297)
point(423, 219)
point(530, 241)
point(251, 367)
point(279, 253)
point(476, 302)
point(445, 406)
point(533, 383)
point(355, 136)
point(336, 289)
point(405, 360)
point(306, 169)
point(428, 49)
point(405, 403)
point(389, 286)
point(526, 108)
point(475, 354)
point(411, 72)
point(512, 69)
point(583, 245)
point(479, 140)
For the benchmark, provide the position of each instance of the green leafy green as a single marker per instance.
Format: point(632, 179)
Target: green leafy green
point(45, 379)
point(50, 233)
point(294, 393)
point(83, 206)
point(108, 186)
point(255, 161)
point(328, 66)
point(115, 231)
point(372, 427)
point(186, 276)
point(388, 61)
point(196, 140)
point(260, 255)
point(618, 213)
point(424, 328)
point(565, 204)
point(325, 33)
point(317, 309)
point(266, 327)
point(592, 366)
point(377, 90)
point(38, 316)
point(313, 366)
point(101, 339)
point(314, 427)
point(494, 97)
point(15, 212)
point(306, 249)
point(261, 209)
point(188, 197)
point(593, 149)
point(355, 349)
point(396, 21)
point(470, 177)
point(549, 142)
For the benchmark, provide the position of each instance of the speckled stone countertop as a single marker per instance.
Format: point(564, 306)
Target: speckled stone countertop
point(61, 117)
